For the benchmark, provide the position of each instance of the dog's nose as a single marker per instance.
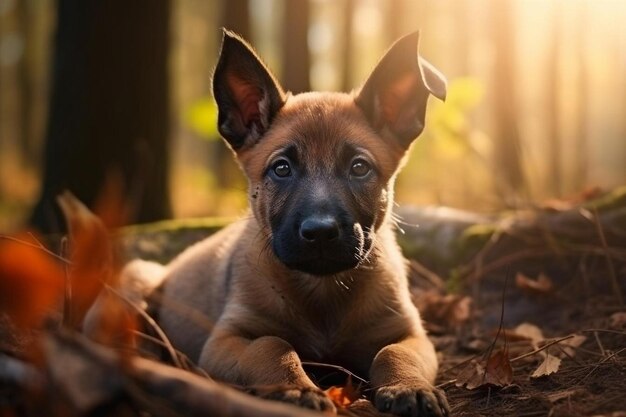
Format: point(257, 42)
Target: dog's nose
point(319, 229)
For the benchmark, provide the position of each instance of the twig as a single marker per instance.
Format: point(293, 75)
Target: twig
point(36, 246)
point(336, 367)
point(595, 335)
point(604, 331)
point(597, 365)
point(160, 333)
point(67, 299)
point(534, 352)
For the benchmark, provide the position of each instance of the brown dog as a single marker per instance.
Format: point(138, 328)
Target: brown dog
point(316, 273)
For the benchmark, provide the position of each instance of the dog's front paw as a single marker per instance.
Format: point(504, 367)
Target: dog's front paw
point(412, 400)
point(306, 397)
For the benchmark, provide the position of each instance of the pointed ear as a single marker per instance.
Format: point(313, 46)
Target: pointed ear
point(247, 95)
point(394, 96)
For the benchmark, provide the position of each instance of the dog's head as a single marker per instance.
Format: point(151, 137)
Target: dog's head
point(321, 166)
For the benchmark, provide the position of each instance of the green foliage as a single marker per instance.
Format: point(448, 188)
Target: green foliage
point(201, 118)
point(451, 153)
point(449, 127)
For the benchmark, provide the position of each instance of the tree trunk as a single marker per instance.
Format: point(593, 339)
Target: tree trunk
point(296, 60)
point(25, 79)
point(235, 17)
point(109, 107)
point(347, 64)
point(580, 168)
point(507, 139)
point(553, 89)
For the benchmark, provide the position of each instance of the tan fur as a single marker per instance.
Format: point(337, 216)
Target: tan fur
point(231, 305)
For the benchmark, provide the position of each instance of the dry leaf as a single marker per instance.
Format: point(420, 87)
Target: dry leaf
point(530, 332)
point(570, 345)
point(472, 376)
point(111, 321)
point(91, 255)
point(560, 395)
point(342, 397)
point(541, 286)
point(497, 371)
point(31, 282)
point(549, 366)
point(617, 321)
point(451, 310)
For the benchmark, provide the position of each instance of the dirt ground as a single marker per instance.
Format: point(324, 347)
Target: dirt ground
point(559, 297)
point(536, 336)
point(591, 378)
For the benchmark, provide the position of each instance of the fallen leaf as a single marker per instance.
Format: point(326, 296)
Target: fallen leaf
point(31, 282)
point(344, 396)
point(570, 345)
point(472, 376)
point(560, 395)
point(549, 366)
point(91, 256)
point(496, 371)
point(525, 331)
point(541, 286)
point(449, 311)
point(617, 321)
point(111, 320)
point(529, 331)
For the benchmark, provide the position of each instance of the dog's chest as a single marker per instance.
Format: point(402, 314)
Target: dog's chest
point(334, 339)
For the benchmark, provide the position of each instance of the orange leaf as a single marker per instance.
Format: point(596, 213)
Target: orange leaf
point(92, 257)
point(31, 282)
point(342, 397)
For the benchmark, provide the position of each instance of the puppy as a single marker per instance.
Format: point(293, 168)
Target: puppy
point(314, 273)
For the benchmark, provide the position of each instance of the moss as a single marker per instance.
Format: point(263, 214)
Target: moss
point(613, 199)
point(178, 225)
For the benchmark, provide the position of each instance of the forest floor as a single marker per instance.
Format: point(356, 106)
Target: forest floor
point(530, 336)
point(514, 367)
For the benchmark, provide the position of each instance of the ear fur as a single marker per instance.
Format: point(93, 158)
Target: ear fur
point(247, 94)
point(394, 96)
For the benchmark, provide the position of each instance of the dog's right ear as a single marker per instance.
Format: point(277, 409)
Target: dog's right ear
point(247, 95)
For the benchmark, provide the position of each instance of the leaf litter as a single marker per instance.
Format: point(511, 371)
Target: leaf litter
point(574, 375)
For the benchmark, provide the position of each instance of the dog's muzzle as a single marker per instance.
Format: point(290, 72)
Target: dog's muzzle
point(319, 245)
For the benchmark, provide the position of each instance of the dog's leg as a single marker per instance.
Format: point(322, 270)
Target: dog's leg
point(268, 366)
point(403, 374)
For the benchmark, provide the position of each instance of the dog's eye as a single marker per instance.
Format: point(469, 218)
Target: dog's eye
point(281, 168)
point(360, 168)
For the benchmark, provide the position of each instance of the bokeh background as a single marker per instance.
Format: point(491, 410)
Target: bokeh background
point(536, 108)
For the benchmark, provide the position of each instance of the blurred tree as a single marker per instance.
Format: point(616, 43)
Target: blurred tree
point(394, 18)
point(507, 148)
point(28, 141)
point(235, 17)
point(347, 64)
point(295, 54)
point(553, 95)
point(109, 111)
point(580, 169)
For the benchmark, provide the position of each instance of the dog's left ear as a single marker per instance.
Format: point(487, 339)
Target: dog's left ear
point(247, 95)
point(394, 96)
